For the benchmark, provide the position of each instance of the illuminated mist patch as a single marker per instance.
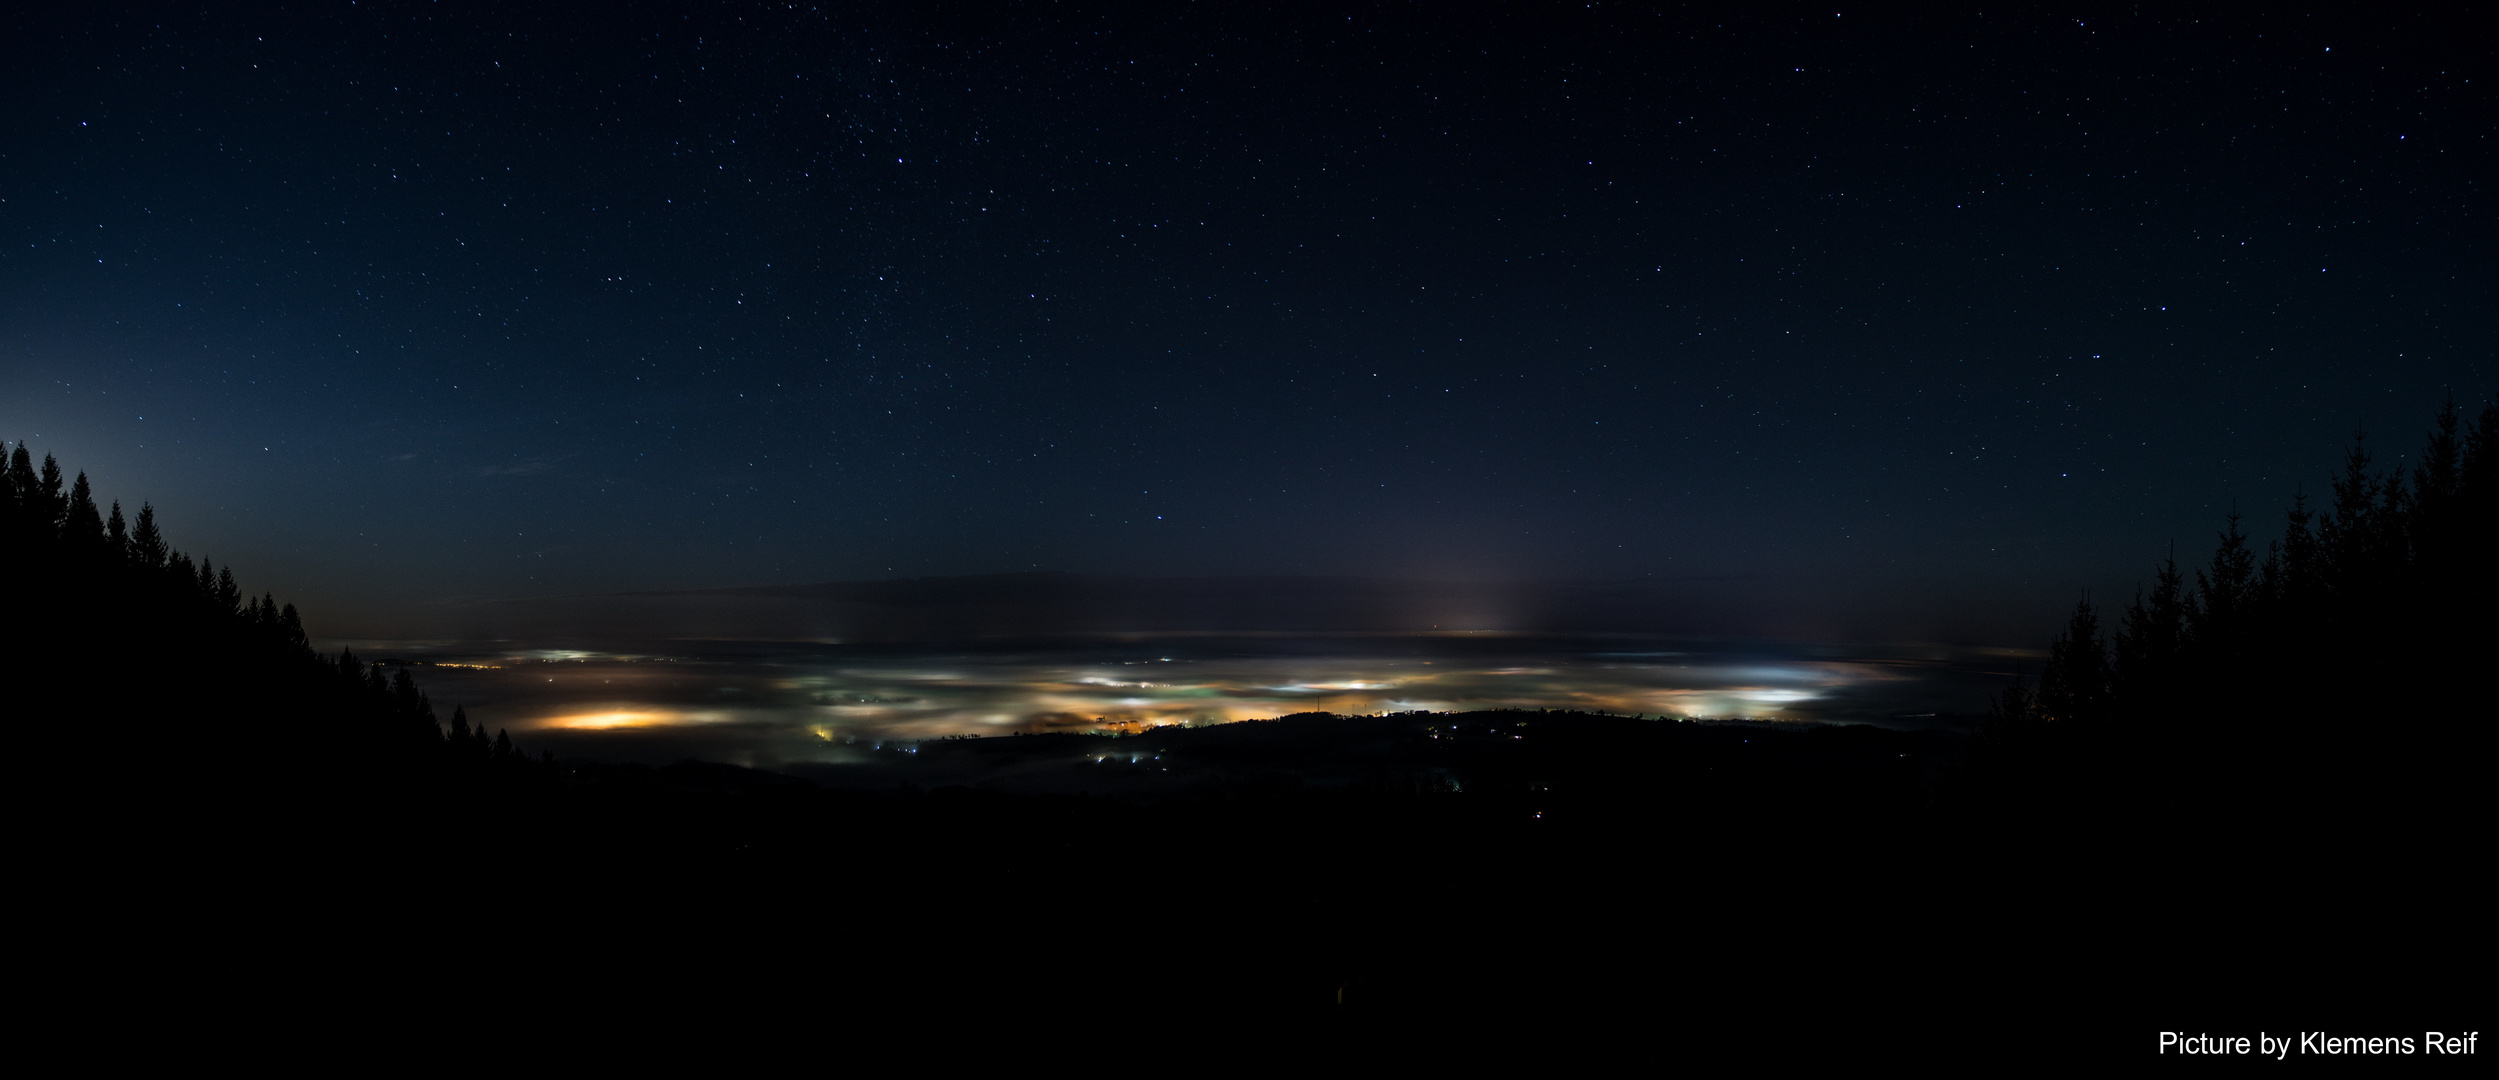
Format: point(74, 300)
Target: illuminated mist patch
point(767, 703)
point(610, 720)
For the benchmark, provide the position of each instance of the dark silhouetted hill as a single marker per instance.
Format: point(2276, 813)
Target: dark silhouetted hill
point(205, 705)
point(2245, 795)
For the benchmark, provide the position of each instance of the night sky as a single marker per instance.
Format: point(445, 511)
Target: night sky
point(1869, 326)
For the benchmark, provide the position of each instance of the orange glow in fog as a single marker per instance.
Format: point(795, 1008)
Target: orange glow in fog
point(600, 721)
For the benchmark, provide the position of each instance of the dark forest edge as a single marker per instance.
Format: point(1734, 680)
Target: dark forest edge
point(2329, 682)
point(144, 659)
point(2241, 684)
point(2159, 791)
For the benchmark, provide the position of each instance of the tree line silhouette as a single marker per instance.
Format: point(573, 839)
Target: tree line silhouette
point(2322, 684)
point(2247, 677)
point(2329, 677)
point(127, 653)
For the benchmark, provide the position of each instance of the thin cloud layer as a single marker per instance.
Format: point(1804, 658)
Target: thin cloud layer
point(777, 703)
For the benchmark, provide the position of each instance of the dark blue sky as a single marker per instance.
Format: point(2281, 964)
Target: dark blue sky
point(1882, 327)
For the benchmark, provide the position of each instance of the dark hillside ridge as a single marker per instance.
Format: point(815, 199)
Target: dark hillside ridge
point(2331, 682)
point(125, 655)
point(2216, 815)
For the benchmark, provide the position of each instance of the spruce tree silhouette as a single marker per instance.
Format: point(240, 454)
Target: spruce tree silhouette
point(2236, 689)
point(2151, 641)
point(2317, 700)
point(2225, 592)
point(82, 528)
point(53, 505)
point(147, 546)
point(2073, 688)
point(145, 660)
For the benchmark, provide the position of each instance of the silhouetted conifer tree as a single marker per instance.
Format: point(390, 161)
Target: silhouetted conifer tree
point(2152, 637)
point(2226, 594)
point(291, 628)
point(2240, 690)
point(2292, 576)
point(82, 528)
point(48, 491)
point(2434, 492)
point(2349, 532)
point(147, 546)
point(230, 707)
point(2012, 715)
point(2075, 684)
point(21, 485)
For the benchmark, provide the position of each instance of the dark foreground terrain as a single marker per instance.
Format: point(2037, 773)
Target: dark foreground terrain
point(2258, 804)
point(1463, 881)
point(1581, 880)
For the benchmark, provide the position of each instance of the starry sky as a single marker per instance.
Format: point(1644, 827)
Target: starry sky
point(1871, 326)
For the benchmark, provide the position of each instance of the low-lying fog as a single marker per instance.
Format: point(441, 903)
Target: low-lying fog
point(771, 703)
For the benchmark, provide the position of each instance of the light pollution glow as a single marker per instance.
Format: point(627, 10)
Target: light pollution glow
point(785, 702)
point(602, 721)
point(903, 704)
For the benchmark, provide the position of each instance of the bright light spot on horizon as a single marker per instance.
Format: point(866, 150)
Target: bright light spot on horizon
point(604, 721)
point(779, 703)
